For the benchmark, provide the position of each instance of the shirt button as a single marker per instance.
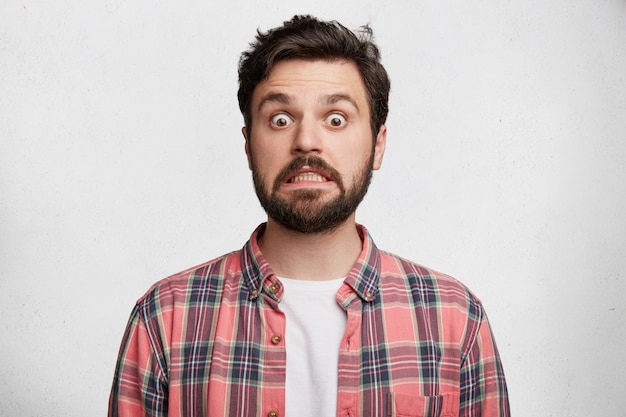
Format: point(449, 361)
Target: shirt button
point(368, 296)
point(272, 414)
point(274, 288)
point(276, 339)
point(254, 293)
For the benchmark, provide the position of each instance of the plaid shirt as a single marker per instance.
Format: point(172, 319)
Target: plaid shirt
point(210, 341)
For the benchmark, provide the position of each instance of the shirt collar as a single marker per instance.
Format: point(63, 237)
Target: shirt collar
point(364, 277)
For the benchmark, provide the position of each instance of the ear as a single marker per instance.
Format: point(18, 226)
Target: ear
point(244, 132)
point(379, 147)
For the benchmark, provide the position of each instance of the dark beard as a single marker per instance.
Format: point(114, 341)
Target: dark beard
point(302, 212)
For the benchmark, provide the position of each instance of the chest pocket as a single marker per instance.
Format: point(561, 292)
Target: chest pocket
point(404, 405)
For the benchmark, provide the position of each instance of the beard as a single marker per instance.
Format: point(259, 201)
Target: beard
point(305, 211)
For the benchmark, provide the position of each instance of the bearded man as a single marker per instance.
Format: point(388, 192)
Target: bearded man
point(310, 318)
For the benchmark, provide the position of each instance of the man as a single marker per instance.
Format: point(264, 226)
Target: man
point(310, 318)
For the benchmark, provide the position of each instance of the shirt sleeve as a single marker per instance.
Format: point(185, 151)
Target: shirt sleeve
point(140, 383)
point(483, 386)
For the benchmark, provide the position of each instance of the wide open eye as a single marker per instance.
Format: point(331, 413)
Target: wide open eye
point(335, 120)
point(281, 120)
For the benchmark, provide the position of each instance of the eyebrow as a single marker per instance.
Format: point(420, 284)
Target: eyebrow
point(335, 98)
point(283, 98)
point(280, 98)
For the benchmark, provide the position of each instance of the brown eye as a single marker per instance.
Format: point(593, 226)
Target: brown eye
point(280, 120)
point(335, 120)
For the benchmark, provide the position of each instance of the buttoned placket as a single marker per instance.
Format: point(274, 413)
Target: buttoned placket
point(349, 388)
point(274, 325)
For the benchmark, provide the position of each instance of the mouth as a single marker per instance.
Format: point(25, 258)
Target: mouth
point(307, 172)
point(307, 175)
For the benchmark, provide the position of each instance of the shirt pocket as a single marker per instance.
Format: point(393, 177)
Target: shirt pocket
point(406, 405)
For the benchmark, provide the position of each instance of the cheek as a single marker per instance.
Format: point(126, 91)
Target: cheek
point(264, 144)
point(354, 156)
point(264, 163)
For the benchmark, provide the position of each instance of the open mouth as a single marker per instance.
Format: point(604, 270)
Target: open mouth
point(307, 171)
point(307, 175)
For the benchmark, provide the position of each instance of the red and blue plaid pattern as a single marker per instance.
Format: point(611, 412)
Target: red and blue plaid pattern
point(210, 341)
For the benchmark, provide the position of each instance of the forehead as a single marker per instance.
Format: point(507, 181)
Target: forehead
point(306, 80)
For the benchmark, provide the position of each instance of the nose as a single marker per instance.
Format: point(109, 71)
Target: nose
point(307, 138)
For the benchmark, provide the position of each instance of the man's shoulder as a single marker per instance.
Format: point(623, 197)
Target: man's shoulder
point(206, 275)
point(428, 281)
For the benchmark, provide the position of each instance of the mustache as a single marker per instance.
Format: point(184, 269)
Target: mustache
point(314, 162)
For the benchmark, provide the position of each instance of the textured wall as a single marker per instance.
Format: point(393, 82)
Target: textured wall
point(121, 162)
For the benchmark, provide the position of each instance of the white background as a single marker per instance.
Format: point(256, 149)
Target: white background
point(121, 162)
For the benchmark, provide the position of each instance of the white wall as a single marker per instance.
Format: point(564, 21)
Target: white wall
point(121, 162)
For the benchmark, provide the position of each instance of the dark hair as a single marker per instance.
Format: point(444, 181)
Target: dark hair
point(306, 37)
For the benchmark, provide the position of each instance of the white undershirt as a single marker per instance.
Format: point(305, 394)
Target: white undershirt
point(315, 326)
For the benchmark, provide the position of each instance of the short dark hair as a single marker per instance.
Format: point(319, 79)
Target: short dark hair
point(306, 37)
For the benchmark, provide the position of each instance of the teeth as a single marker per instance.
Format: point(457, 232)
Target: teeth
point(308, 176)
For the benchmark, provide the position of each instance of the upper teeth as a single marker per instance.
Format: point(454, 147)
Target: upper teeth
point(308, 176)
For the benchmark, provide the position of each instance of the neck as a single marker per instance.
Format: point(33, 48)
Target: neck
point(313, 257)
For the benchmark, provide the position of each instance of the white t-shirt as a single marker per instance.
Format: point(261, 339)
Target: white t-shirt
point(315, 326)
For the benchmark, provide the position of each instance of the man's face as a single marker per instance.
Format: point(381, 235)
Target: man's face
point(310, 145)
